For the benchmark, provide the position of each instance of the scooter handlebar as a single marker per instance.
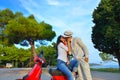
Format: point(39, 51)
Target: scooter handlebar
point(38, 59)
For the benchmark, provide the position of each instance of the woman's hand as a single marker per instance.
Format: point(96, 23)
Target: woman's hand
point(68, 62)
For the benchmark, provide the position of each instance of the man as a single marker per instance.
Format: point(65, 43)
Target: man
point(80, 52)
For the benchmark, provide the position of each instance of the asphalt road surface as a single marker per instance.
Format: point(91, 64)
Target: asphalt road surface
point(15, 73)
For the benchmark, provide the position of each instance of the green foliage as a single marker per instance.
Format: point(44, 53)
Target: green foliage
point(13, 54)
point(16, 28)
point(112, 70)
point(106, 31)
point(1, 51)
point(17, 56)
point(105, 56)
point(5, 16)
point(116, 9)
point(49, 54)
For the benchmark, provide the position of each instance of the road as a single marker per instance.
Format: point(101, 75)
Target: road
point(14, 73)
point(105, 75)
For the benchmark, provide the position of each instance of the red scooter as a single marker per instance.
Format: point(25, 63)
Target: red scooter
point(57, 75)
point(35, 73)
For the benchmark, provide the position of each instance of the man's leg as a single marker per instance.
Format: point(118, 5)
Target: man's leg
point(86, 70)
point(80, 76)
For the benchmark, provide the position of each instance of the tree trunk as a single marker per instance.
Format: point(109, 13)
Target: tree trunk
point(33, 48)
point(16, 64)
point(22, 64)
point(118, 57)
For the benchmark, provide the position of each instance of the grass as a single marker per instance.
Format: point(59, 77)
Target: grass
point(112, 70)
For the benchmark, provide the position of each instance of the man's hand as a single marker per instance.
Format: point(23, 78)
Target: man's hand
point(86, 59)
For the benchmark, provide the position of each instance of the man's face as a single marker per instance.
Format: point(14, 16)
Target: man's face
point(68, 38)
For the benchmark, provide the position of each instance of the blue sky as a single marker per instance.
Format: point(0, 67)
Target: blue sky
point(74, 15)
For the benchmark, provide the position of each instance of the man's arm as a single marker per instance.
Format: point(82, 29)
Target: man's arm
point(84, 48)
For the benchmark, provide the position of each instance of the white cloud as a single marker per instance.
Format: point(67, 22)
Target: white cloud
point(53, 2)
point(56, 3)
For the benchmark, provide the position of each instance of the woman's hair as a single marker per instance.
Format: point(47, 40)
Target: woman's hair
point(58, 41)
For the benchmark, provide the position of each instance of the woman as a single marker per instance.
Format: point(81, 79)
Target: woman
point(62, 50)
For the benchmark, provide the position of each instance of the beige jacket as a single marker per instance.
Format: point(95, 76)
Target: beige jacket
point(79, 50)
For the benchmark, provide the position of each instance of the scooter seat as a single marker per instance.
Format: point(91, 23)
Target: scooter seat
point(56, 72)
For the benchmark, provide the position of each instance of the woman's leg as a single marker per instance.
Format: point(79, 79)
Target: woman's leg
point(63, 67)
